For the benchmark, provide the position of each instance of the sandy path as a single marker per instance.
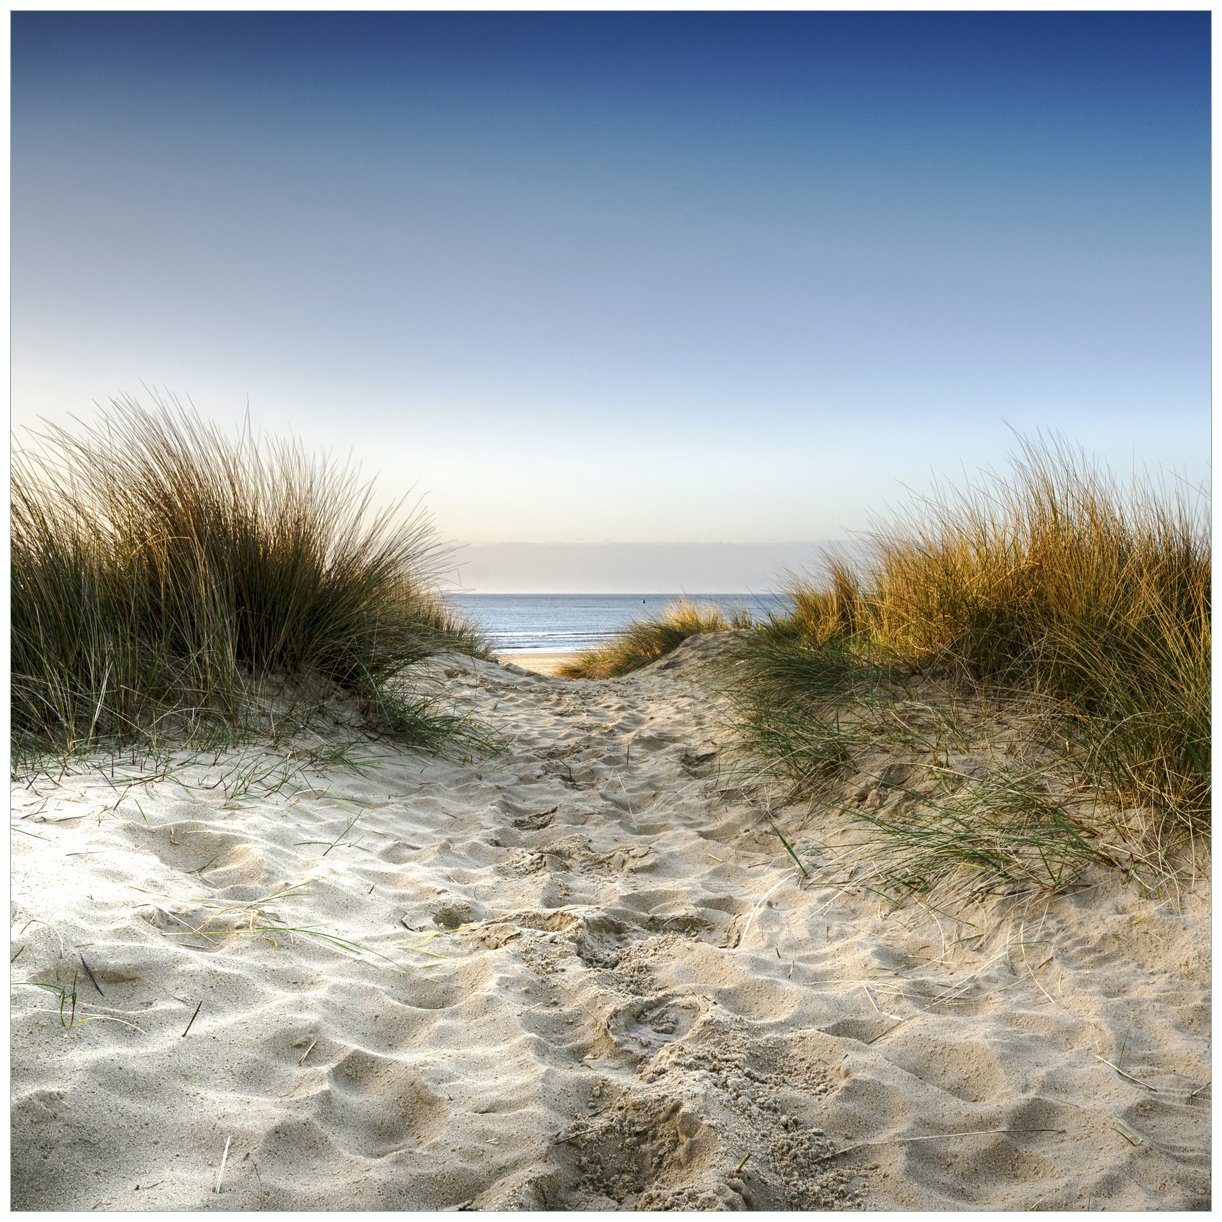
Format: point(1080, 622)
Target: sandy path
point(577, 975)
point(537, 662)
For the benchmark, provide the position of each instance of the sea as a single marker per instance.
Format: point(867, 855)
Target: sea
point(558, 623)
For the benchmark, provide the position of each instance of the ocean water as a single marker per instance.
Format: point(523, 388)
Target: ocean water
point(546, 623)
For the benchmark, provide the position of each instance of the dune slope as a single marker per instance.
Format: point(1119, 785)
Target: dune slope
point(578, 974)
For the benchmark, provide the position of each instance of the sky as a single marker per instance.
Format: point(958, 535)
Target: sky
point(636, 278)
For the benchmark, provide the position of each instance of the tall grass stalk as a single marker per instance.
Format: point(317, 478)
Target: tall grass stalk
point(160, 567)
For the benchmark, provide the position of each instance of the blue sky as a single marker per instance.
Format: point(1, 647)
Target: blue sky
point(630, 277)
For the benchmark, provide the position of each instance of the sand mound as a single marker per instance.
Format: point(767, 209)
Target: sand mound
point(575, 975)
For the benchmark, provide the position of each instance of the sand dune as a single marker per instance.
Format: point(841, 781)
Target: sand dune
point(578, 974)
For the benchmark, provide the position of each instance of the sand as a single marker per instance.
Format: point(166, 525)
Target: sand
point(576, 975)
point(537, 663)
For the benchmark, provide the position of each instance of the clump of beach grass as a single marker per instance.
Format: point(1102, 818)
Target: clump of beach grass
point(647, 640)
point(163, 569)
point(1082, 603)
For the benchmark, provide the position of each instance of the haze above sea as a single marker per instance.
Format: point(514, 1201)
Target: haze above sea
point(557, 623)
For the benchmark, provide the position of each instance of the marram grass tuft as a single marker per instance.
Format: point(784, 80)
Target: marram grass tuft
point(1058, 589)
point(160, 567)
point(647, 640)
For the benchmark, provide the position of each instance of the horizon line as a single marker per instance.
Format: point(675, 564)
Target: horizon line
point(635, 543)
point(618, 593)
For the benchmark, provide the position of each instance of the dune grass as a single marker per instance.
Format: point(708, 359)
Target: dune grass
point(647, 640)
point(162, 568)
point(1055, 588)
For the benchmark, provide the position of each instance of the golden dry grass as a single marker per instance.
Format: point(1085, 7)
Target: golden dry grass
point(1056, 587)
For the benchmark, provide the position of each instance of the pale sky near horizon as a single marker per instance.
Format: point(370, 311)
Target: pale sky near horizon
point(639, 277)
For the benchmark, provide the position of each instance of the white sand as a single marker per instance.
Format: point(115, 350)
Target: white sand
point(589, 979)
